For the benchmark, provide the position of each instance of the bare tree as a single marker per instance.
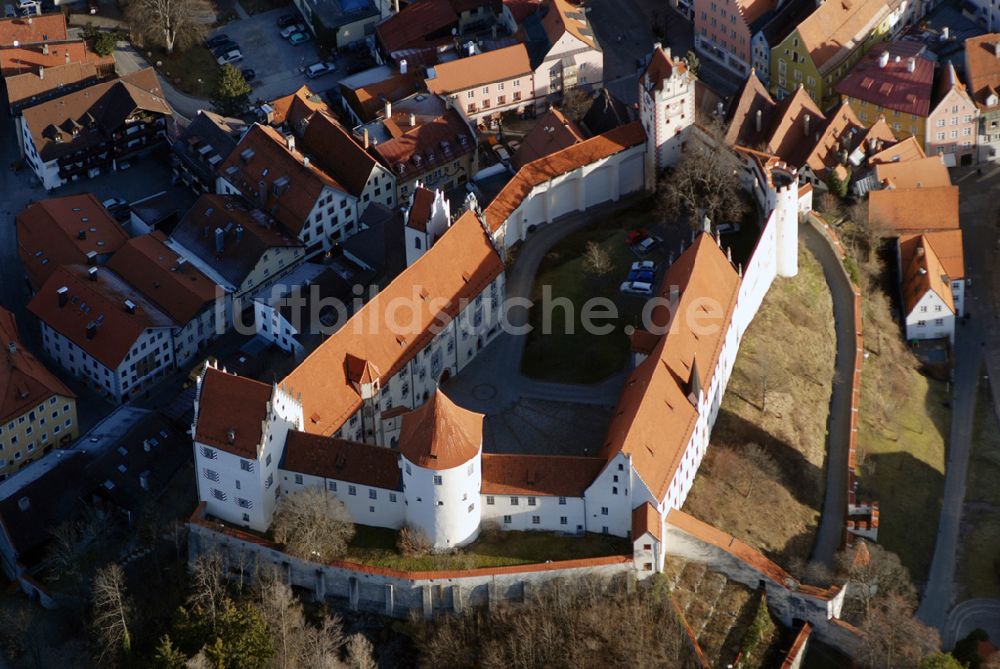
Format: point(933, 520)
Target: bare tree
point(892, 638)
point(313, 524)
point(71, 543)
point(169, 23)
point(761, 465)
point(412, 542)
point(597, 260)
point(112, 612)
point(875, 573)
point(575, 103)
point(208, 587)
point(706, 182)
point(360, 653)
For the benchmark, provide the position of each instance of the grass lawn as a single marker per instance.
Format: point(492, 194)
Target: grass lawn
point(778, 397)
point(192, 71)
point(568, 354)
point(904, 420)
point(377, 546)
point(259, 6)
point(977, 570)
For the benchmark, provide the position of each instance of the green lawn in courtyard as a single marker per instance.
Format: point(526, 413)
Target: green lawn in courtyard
point(567, 353)
point(377, 546)
point(193, 71)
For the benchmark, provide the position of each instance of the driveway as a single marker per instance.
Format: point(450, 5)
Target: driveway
point(831, 525)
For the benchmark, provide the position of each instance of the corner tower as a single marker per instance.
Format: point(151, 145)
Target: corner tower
point(666, 107)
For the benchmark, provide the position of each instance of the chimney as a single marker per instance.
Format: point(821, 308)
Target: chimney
point(413, 120)
point(996, 49)
point(67, 56)
point(805, 123)
point(945, 32)
point(872, 143)
point(290, 142)
point(759, 117)
point(911, 64)
point(92, 274)
point(305, 160)
point(883, 59)
point(920, 251)
point(11, 347)
point(231, 435)
point(24, 503)
point(130, 306)
point(239, 233)
point(388, 109)
point(81, 233)
point(91, 329)
point(63, 294)
point(365, 134)
point(402, 66)
point(220, 240)
point(45, 49)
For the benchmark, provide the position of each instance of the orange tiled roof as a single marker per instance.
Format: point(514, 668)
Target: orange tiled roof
point(28, 58)
point(440, 435)
point(556, 475)
point(753, 97)
point(562, 18)
point(923, 173)
point(484, 68)
point(552, 132)
point(33, 30)
point(982, 66)
point(947, 245)
point(458, 266)
point(654, 418)
point(24, 381)
point(788, 138)
point(836, 27)
point(62, 231)
point(297, 107)
point(645, 518)
point(923, 273)
point(426, 140)
point(661, 68)
point(180, 290)
point(915, 209)
point(368, 100)
point(561, 162)
point(28, 86)
point(334, 150)
point(903, 151)
point(342, 460)
point(231, 412)
point(838, 128)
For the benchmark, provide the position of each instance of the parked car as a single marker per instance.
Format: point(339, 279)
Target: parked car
point(217, 41)
point(633, 237)
point(319, 69)
point(124, 165)
point(233, 56)
point(225, 48)
point(641, 276)
point(114, 203)
point(727, 228)
point(637, 288)
point(645, 265)
point(299, 38)
point(288, 31)
point(248, 74)
point(648, 244)
point(286, 20)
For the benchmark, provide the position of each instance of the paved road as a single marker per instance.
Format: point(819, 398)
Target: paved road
point(978, 216)
point(969, 615)
point(185, 107)
point(498, 367)
point(831, 524)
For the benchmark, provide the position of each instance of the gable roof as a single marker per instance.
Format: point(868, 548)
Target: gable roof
point(62, 231)
point(753, 98)
point(207, 140)
point(646, 519)
point(893, 86)
point(296, 107)
point(421, 205)
point(836, 28)
point(334, 150)
point(419, 25)
point(440, 435)
point(28, 87)
point(443, 138)
point(915, 209)
point(196, 233)
point(553, 132)
point(560, 162)
point(947, 245)
point(903, 151)
point(654, 419)
point(33, 29)
point(100, 301)
point(458, 266)
point(291, 181)
point(24, 381)
point(231, 412)
point(982, 66)
point(661, 66)
point(562, 17)
point(28, 58)
point(838, 132)
point(179, 289)
point(369, 98)
point(921, 173)
point(555, 475)
point(350, 461)
point(788, 138)
point(922, 273)
point(479, 70)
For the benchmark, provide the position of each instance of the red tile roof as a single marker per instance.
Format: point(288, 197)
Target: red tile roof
point(420, 209)
point(101, 302)
point(422, 24)
point(915, 209)
point(893, 86)
point(555, 475)
point(440, 435)
point(552, 132)
point(62, 231)
point(29, 87)
point(982, 66)
point(836, 28)
point(33, 30)
point(903, 151)
point(556, 164)
point(401, 153)
point(179, 289)
point(654, 419)
point(485, 68)
point(563, 18)
point(458, 266)
point(231, 412)
point(660, 68)
point(28, 58)
point(297, 107)
point(24, 381)
point(753, 97)
point(645, 518)
point(334, 150)
point(947, 245)
point(342, 460)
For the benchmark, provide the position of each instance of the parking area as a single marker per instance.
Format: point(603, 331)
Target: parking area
point(278, 64)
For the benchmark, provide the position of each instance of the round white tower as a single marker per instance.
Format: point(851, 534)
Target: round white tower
point(441, 448)
point(786, 209)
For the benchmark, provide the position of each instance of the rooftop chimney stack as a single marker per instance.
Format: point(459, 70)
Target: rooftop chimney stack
point(759, 119)
point(413, 120)
point(41, 71)
point(11, 347)
point(805, 123)
point(130, 306)
point(92, 274)
point(91, 329)
point(996, 49)
point(365, 135)
point(63, 294)
point(911, 64)
point(45, 49)
point(290, 142)
point(402, 66)
point(239, 233)
point(388, 109)
point(67, 56)
point(883, 59)
point(220, 240)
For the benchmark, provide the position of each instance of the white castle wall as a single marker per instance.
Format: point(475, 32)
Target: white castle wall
point(367, 505)
point(529, 512)
point(444, 504)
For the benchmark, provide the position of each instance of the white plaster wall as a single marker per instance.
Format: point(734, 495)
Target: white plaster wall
point(922, 321)
point(550, 512)
point(614, 496)
point(367, 505)
point(447, 512)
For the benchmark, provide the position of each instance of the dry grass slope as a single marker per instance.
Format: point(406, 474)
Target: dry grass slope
point(778, 397)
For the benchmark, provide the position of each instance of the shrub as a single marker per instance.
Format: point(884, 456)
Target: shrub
point(412, 542)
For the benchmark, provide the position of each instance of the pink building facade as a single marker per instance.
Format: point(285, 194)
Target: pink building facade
point(952, 123)
point(722, 31)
